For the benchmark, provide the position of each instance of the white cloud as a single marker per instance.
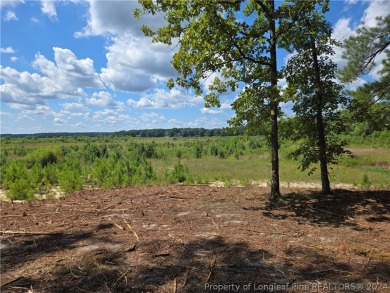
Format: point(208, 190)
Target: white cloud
point(34, 19)
point(351, 2)
point(48, 7)
point(14, 59)
point(7, 50)
point(104, 99)
point(152, 117)
point(342, 29)
point(109, 116)
point(206, 122)
point(377, 8)
point(25, 88)
point(226, 105)
point(39, 112)
point(68, 70)
point(11, 3)
point(10, 16)
point(161, 98)
point(116, 17)
point(136, 64)
point(6, 114)
point(64, 78)
point(72, 106)
point(211, 111)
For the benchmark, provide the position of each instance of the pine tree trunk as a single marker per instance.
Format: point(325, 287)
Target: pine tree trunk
point(321, 138)
point(275, 185)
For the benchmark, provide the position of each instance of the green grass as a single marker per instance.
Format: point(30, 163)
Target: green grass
point(208, 159)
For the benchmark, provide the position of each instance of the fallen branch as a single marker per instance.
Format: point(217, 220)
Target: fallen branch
point(9, 282)
point(31, 233)
point(131, 228)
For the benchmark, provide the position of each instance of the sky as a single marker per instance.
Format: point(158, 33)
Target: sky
point(85, 66)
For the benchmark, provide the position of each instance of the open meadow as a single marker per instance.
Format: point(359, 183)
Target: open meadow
point(33, 167)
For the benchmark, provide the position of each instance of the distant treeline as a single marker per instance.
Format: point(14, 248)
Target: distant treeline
point(174, 132)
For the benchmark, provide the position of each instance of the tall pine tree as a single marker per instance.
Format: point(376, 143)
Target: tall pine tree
point(370, 102)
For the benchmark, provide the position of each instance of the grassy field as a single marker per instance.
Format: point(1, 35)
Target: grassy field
point(34, 166)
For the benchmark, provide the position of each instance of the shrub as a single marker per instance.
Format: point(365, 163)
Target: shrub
point(20, 189)
point(366, 182)
point(179, 173)
point(17, 182)
point(49, 158)
point(70, 178)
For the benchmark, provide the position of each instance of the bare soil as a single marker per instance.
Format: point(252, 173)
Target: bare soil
point(180, 238)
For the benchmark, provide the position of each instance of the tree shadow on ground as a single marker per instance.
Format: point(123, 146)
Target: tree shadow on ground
point(204, 265)
point(29, 247)
point(337, 209)
point(166, 266)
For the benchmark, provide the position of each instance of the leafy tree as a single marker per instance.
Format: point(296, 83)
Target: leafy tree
point(370, 102)
point(310, 74)
point(235, 42)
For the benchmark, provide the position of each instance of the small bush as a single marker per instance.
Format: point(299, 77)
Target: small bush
point(366, 182)
point(70, 180)
point(179, 173)
point(20, 189)
point(49, 158)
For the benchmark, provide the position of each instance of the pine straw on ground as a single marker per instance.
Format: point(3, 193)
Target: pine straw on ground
point(195, 238)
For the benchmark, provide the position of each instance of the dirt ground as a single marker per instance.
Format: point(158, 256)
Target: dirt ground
point(180, 238)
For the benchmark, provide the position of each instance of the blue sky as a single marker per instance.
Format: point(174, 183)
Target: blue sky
point(84, 65)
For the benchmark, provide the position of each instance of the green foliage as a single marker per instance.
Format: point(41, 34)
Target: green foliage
point(49, 158)
point(180, 173)
point(310, 74)
point(366, 182)
point(20, 189)
point(50, 174)
point(370, 102)
point(17, 182)
point(69, 174)
point(231, 44)
point(126, 164)
point(70, 179)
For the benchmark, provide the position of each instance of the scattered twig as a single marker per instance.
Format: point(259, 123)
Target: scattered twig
point(120, 227)
point(131, 248)
point(174, 285)
point(107, 287)
point(106, 208)
point(131, 228)
point(123, 275)
point(215, 225)
point(185, 280)
point(211, 268)
point(323, 211)
point(162, 254)
point(30, 233)
point(174, 238)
